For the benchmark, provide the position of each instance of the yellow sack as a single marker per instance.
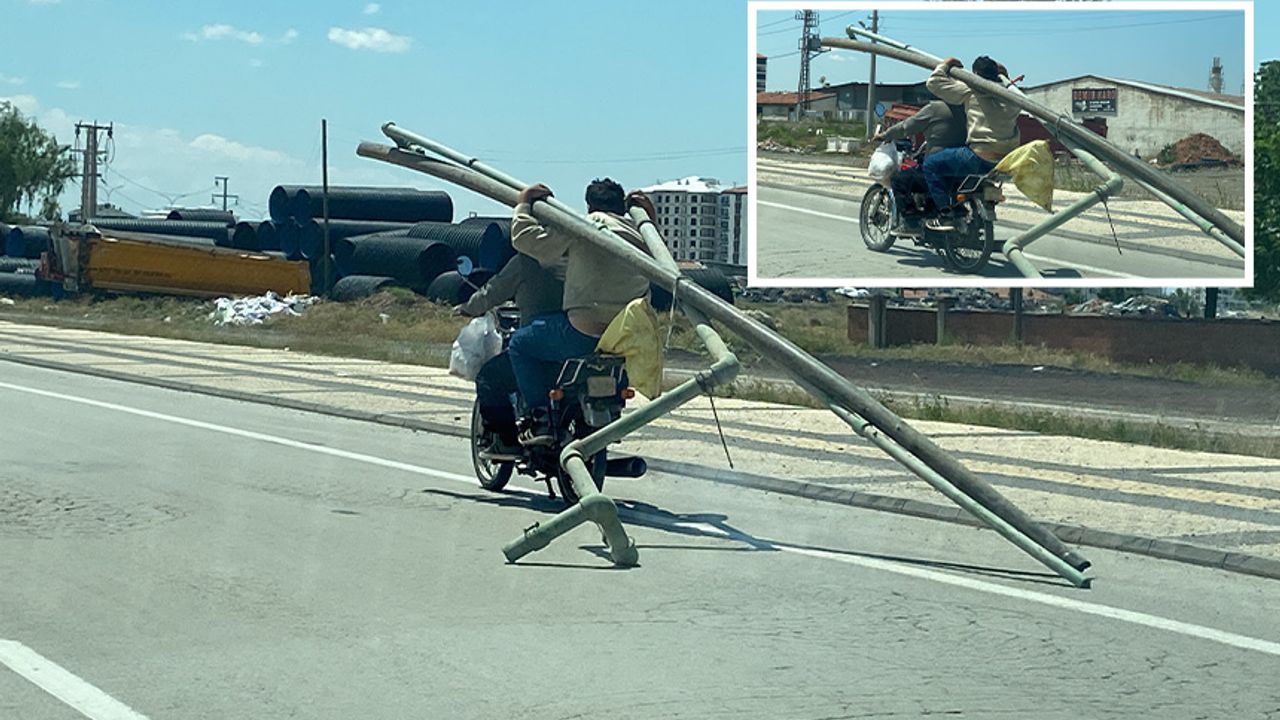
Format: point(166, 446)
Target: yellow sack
point(1031, 167)
point(633, 333)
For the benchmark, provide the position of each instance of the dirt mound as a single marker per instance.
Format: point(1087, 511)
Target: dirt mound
point(1194, 148)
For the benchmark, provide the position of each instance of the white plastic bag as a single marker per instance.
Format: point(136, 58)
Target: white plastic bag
point(476, 344)
point(884, 163)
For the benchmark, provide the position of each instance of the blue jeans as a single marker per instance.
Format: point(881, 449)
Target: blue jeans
point(537, 351)
point(944, 170)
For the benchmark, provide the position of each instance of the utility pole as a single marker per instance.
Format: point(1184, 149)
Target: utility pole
point(222, 180)
point(871, 86)
point(324, 202)
point(89, 174)
point(809, 49)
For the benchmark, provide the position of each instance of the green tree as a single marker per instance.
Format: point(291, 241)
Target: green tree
point(1266, 183)
point(33, 167)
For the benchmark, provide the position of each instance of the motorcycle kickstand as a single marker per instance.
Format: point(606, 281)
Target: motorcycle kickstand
point(551, 494)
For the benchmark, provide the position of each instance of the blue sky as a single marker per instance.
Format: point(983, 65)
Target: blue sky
point(1168, 47)
point(559, 91)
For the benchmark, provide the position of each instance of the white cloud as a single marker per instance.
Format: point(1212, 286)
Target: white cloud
point(26, 104)
point(69, 84)
point(370, 38)
point(289, 36)
point(7, 80)
point(372, 9)
point(221, 31)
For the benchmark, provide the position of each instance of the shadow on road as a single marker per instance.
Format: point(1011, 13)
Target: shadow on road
point(716, 526)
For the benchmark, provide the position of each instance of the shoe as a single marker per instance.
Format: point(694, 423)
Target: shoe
point(537, 431)
point(940, 223)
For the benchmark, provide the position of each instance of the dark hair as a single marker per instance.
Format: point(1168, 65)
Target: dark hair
point(986, 68)
point(606, 195)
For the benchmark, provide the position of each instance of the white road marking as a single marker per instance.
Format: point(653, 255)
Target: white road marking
point(1129, 616)
point(807, 211)
point(62, 684)
point(273, 439)
point(1041, 258)
point(1076, 265)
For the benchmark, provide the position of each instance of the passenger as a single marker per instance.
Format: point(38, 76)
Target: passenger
point(992, 132)
point(536, 291)
point(596, 288)
point(943, 126)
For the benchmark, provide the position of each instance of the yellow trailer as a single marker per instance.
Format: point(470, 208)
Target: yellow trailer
point(125, 262)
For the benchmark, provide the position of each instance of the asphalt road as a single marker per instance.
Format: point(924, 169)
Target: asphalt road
point(811, 232)
point(167, 555)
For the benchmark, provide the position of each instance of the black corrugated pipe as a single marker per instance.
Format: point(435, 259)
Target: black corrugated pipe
point(289, 237)
point(18, 265)
point(268, 239)
point(484, 243)
point(454, 289)
point(503, 222)
point(311, 232)
point(214, 231)
point(373, 203)
point(707, 278)
point(319, 283)
point(414, 262)
point(26, 241)
point(244, 236)
point(355, 287)
point(202, 215)
point(280, 203)
point(22, 284)
point(4, 237)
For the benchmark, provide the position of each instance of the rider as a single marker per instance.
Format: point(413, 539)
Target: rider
point(536, 291)
point(596, 288)
point(992, 132)
point(943, 126)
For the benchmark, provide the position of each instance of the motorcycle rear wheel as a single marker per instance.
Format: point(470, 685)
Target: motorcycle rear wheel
point(875, 219)
point(596, 464)
point(493, 476)
point(969, 252)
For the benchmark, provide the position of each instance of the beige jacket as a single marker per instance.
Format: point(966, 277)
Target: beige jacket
point(596, 285)
point(993, 123)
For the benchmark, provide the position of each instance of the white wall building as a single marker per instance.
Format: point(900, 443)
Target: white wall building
point(701, 220)
point(1143, 116)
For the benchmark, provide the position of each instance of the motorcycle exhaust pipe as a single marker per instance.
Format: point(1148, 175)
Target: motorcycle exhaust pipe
point(628, 467)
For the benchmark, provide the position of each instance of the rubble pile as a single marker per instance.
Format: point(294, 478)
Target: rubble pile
point(1140, 305)
point(1198, 147)
point(775, 146)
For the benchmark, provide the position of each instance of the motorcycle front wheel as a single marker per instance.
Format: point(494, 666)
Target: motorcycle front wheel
point(969, 251)
point(875, 218)
point(492, 475)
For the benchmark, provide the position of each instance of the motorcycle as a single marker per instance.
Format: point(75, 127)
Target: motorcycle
point(966, 247)
point(589, 393)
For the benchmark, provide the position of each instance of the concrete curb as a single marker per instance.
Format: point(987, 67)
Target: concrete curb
point(1218, 427)
point(1073, 534)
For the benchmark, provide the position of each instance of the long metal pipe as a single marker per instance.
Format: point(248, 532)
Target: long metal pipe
point(1205, 226)
point(1064, 125)
point(787, 355)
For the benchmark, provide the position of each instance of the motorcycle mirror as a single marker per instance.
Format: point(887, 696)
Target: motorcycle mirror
point(465, 266)
point(881, 110)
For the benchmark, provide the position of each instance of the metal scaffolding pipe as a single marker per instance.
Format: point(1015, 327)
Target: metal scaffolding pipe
point(797, 362)
point(1062, 125)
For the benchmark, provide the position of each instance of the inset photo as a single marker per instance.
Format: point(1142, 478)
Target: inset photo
point(966, 144)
